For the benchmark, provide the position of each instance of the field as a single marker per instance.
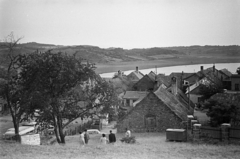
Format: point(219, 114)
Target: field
point(148, 146)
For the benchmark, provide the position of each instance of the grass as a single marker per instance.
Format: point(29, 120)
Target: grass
point(148, 146)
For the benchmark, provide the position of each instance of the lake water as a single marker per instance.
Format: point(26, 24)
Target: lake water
point(232, 67)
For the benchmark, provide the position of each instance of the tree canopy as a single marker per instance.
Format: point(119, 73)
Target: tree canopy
point(63, 88)
point(238, 70)
point(221, 111)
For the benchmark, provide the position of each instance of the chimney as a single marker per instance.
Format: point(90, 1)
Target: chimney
point(174, 86)
point(213, 67)
point(137, 69)
point(201, 68)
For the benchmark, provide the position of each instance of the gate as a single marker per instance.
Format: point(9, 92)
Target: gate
point(211, 132)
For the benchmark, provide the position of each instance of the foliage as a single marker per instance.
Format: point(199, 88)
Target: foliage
point(129, 140)
point(221, 112)
point(63, 88)
point(10, 87)
point(207, 90)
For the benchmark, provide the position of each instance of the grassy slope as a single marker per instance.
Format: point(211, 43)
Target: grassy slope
point(149, 146)
point(113, 59)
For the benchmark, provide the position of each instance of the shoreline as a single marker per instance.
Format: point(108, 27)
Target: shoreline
point(126, 66)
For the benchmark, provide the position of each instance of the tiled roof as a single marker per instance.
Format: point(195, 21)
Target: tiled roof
point(134, 94)
point(195, 85)
point(163, 79)
point(172, 102)
point(180, 75)
point(226, 72)
point(138, 74)
point(152, 76)
point(183, 98)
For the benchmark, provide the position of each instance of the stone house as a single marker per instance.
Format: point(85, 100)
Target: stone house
point(130, 97)
point(156, 112)
point(146, 83)
point(135, 75)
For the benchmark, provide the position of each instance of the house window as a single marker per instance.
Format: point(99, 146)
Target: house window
point(236, 87)
point(128, 102)
point(150, 121)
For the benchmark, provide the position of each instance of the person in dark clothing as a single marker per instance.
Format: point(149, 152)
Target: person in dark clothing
point(86, 136)
point(112, 137)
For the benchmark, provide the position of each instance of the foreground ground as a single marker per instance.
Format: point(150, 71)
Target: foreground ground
point(148, 146)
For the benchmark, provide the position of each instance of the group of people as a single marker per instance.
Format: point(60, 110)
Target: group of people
point(84, 137)
point(111, 138)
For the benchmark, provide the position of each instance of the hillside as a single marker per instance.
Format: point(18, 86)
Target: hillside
point(118, 56)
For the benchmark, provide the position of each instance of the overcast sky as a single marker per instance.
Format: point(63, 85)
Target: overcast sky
point(123, 23)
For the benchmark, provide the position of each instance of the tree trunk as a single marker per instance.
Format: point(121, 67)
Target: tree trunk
point(56, 129)
point(60, 128)
point(15, 121)
point(16, 126)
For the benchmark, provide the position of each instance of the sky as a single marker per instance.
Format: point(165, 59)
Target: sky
point(122, 23)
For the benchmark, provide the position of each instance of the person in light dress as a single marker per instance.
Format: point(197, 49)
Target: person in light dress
point(82, 140)
point(104, 139)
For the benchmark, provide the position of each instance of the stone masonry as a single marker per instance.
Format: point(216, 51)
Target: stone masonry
point(152, 106)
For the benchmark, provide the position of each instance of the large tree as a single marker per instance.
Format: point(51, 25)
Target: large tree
point(10, 88)
point(221, 111)
point(63, 89)
point(207, 90)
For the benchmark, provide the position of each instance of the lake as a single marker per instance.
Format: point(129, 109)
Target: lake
point(232, 67)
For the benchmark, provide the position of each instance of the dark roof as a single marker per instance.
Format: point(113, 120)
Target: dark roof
point(180, 75)
point(209, 73)
point(138, 74)
point(172, 102)
point(134, 94)
point(183, 98)
point(163, 79)
point(152, 76)
point(226, 72)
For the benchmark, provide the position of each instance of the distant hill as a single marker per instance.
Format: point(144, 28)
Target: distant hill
point(99, 55)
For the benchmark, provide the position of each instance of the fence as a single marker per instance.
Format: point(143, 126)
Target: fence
point(211, 132)
point(225, 133)
point(234, 133)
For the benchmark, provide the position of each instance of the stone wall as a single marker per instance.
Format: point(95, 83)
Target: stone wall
point(151, 105)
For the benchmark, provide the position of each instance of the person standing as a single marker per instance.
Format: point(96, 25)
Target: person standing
point(103, 139)
point(112, 137)
point(82, 141)
point(86, 136)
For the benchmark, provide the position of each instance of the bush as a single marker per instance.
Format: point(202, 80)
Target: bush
point(130, 140)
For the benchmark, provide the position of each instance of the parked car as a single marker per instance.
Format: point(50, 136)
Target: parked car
point(93, 131)
point(23, 130)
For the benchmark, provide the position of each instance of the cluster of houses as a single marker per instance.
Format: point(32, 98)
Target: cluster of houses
point(155, 102)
